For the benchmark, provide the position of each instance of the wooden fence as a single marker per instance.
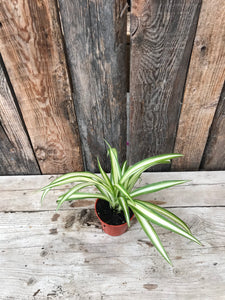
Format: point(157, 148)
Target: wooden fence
point(64, 76)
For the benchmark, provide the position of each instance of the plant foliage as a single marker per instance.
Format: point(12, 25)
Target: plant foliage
point(119, 190)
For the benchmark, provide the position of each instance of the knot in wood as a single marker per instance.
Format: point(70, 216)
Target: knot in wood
point(40, 153)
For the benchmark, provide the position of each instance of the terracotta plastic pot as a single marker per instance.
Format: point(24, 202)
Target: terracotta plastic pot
point(113, 230)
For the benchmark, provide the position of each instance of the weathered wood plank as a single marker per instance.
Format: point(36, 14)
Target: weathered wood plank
point(162, 34)
point(19, 193)
point(67, 256)
point(16, 153)
point(128, 55)
point(203, 87)
point(214, 154)
point(95, 38)
point(32, 49)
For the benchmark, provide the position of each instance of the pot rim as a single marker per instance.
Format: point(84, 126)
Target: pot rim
point(106, 224)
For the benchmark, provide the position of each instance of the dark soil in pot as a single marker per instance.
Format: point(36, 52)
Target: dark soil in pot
point(108, 215)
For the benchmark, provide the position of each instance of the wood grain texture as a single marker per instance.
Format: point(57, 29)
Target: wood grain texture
point(49, 255)
point(32, 50)
point(20, 193)
point(214, 154)
point(95, 38)
point(204, 83)
point(16, 153)
point(71, 258)
point(162, 34)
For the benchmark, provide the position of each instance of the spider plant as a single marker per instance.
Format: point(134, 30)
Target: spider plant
point(119, 190)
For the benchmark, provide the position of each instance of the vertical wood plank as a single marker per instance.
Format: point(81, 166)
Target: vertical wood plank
point(214, 154)
point(95, 38)
point(32, 49)
point(203, 87)
point(16, 153)
point(162, 34)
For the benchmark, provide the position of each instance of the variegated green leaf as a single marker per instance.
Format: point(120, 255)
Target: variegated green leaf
point(80, 180)
point(125, 208)
point(115, 167)
point(44, 195)
point(124, 192)
point(166, 213)
point(124, 167)
point(129, 184)
point(115, 153)
point(74, 190)
point(147, 163)
point(74, 175)
point(70, 180)
point(156, 218)
point(81, 196)
point(154, 187)
point(105, 176)
point(152, 235)
point(107, 193)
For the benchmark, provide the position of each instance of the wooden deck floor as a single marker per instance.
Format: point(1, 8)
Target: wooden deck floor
point(65, 255)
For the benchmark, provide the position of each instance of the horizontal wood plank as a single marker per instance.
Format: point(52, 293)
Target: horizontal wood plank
point(204, 84)
point(32, 49)
point(67, 256)
point(20, 193)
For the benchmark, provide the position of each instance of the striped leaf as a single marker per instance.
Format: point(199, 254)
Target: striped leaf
point(124, 205)
point(147, 163)
point(73, 191)
point(154, 187)
point(104, 175)
point(73, 177)
point(166, 213)
point(81, 196)
point(115, 167)
point(124, 192)
point(76, 174)
point(156, 218)
point(76, 179)
point(134, 178)
point(44, 195)
point(107, 193)
point(124, 167)
point(152, 235)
